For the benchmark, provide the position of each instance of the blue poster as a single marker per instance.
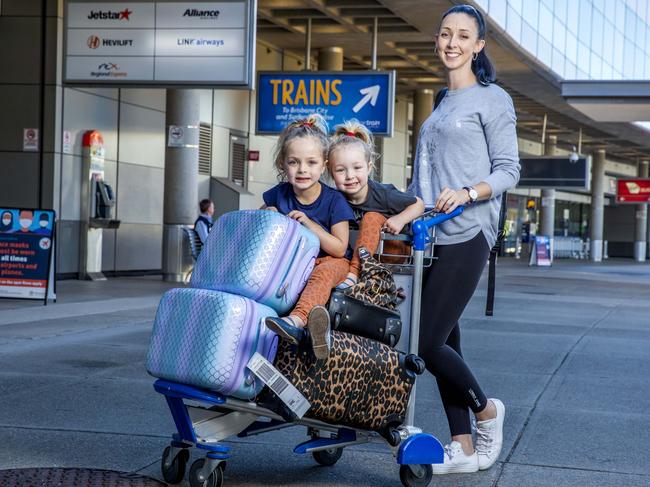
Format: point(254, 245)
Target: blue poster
point(368, 96)
point(26, 239)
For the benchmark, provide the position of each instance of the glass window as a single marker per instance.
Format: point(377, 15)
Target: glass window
point(610, 10)
point(572, 47)
point(628, 59)
point(583, 57)
point(620, 15)
point(515, 4)
point(498, 11)
point(544, 50)
point(483, 4)
point(582, 75)
point(640, 33)
point(630, 24)
point(559, 34)
point(560, 9)
point(557, 63)
point(584, 25)
point(548, 3)
point(619, 46)
point(608, 72)
point(596, 68)
point(514, 25)
point(597, 29)
point(545, 22)
point(572, 17)
point(638, 64)
point(608, 42)
point(647, 67)
point(570, 70)
point(528, 38)
point(531, 12)
point(599, 4)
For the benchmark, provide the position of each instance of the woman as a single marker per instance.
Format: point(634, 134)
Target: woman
point(467, 155)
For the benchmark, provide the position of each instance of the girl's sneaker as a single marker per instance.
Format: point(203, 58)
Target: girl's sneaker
point(318, 324)
point(489, 437)
point(456, 461)
point(285, 329)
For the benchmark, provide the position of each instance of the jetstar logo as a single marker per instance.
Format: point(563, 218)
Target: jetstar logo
point(203, 14)
point(110, 15)
point(108, 70)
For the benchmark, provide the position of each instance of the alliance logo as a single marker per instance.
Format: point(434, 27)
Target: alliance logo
point(203, 14)
point(110, 15)
point(94, 42)
point(108, 70)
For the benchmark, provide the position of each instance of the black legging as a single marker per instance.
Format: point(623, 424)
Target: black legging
point(448, 285)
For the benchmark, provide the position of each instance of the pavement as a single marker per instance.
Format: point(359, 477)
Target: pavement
point(568, 351)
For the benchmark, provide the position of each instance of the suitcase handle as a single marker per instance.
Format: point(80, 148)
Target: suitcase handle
point(292, 268)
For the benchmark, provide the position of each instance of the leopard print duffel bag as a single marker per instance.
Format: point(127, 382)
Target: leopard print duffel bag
point(363, 384)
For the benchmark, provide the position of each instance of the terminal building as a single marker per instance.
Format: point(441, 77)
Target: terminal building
point(577, 71)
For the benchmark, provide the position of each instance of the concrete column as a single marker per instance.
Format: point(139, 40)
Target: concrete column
point(641, 227)
point(547, 216)
point(181, 180)
point(330, 59)
point(422, 106)
point(597, 204)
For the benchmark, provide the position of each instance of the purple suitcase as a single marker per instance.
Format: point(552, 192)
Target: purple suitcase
point(206, 338)
point(259, 254)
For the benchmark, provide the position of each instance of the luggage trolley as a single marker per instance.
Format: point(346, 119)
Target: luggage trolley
point(205, 418)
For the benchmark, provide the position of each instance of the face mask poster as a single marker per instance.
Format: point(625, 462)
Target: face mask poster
point(26, 255)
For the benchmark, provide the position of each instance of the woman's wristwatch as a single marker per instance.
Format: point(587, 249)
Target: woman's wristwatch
point(473, 194)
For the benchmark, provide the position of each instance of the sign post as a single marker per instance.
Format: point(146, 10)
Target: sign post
point(26, 257)
point(368, 96)
point(633, 191)
point(541, 252)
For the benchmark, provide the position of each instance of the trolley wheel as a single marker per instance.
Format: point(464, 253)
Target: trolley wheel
point(176, 471)
point(328, 457)
point(416, 475)
point(214, 480)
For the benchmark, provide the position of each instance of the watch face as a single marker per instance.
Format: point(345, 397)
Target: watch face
point(473, 194)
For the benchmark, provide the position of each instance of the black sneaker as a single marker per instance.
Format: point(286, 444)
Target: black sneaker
point(318, 324)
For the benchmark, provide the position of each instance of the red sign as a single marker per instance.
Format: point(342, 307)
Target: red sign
point(253, 155)
point(633, 191)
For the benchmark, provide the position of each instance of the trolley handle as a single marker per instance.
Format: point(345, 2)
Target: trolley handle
point(421, 227)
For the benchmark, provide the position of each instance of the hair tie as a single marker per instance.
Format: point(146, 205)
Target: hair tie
point(350, 133)
point(308, 124)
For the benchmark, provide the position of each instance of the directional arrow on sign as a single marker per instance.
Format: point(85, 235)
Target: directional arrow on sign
point(371, 93)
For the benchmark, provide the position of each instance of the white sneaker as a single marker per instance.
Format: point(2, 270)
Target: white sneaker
point(456, 461)
point(489, 437)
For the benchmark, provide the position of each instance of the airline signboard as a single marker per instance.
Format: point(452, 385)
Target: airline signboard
point(633, 191)
point(160, 43)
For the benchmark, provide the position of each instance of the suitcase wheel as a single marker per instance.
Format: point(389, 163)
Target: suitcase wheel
point(196, 479)
point(328, 457)
point(174, 471)
point(415, 364)
point(416, 475)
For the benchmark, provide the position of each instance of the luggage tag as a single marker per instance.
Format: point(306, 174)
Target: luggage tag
point(279, 384)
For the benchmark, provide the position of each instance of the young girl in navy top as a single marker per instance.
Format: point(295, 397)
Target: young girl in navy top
point(376, 206)
point(301, 160)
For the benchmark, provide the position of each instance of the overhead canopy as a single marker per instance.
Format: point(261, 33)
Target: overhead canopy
point(609, 101)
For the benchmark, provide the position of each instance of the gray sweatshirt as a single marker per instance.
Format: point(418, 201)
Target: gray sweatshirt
point(469, 138)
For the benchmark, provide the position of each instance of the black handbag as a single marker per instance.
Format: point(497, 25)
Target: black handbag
point(361, 318)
